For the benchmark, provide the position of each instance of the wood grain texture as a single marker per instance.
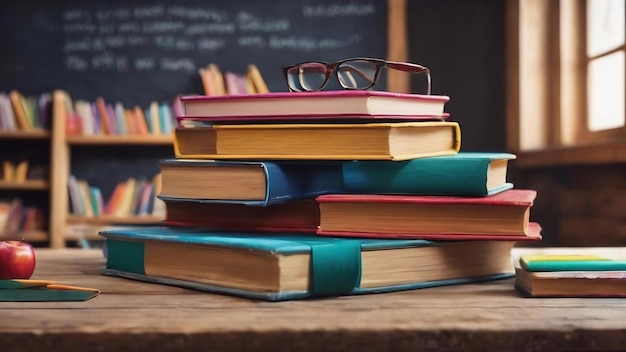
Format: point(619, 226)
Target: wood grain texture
point(135, 316)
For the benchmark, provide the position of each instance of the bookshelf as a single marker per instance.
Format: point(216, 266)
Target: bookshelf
point(130, 140)
point(65, 226)
point(26, 135)
point(24, 166)
point(29, 185)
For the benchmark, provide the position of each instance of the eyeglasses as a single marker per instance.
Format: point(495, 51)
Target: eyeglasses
point(353, 73)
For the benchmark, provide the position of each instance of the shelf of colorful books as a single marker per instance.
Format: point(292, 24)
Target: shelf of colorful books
point(28, 236)
point(18, 134)
point(29, 185)
point(129, 139)
point(117, 220)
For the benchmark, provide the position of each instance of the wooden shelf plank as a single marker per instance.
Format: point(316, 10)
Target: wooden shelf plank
point(28, 236)
point(121, 140)
point(40, 134)
point(29, 185)
point(110, 220)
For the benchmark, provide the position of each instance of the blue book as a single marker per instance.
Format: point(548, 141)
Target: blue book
point(257, 183)
point(279, 267)
point(462, 174)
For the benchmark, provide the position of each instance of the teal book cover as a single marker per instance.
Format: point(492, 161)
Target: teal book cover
point(43, 291)
point(571, 262)
point(284, 266)
point(461, 174)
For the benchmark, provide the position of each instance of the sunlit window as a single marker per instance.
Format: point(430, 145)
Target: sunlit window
point(606, 64)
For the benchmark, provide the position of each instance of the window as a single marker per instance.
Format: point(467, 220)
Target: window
point(605, 55)
point(566, 79)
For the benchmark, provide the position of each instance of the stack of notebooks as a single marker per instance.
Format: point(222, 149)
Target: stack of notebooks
point(283, 196)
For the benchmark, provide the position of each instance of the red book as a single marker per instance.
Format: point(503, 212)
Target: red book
point(501, 216)
point(295, 216)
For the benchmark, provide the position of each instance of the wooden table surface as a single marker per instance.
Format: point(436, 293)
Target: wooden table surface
point(135, 316)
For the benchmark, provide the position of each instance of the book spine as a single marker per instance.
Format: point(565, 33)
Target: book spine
point(299, 181)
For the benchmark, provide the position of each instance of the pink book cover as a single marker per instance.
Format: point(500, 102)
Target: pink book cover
point(534, 234)
point(310, 118)
point(321, 94)
point(512, 197)
point(303, 105)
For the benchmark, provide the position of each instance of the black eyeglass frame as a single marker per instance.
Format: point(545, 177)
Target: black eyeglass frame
point(380, 64)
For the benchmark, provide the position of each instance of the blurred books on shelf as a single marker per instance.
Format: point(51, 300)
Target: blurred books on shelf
point(25, 113)
point(22, 171)
point(134, 197)
point(218, 83)
point(15, 218)
point(101, 118)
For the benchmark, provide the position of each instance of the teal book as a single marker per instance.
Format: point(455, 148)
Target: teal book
point(285, 266)
point(43, 291)
point(462, 174)
point(571, 262)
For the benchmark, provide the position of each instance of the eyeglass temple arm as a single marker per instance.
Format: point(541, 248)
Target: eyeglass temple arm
point(406, 66)
point(410, 67)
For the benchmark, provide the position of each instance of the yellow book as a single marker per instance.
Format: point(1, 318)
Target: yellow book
point(155, 122)
point(21, 171)
point(257, 80)
point(249, 84)
point(8, 171)
point(125, 204)
point(365, 141)
point(85, 194)
point(218, 79)
point(21, 115)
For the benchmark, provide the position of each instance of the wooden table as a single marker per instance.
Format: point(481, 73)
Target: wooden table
point(135, 316)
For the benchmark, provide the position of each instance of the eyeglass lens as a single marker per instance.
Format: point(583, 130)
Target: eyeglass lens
point(356, 74)
point(312, 76)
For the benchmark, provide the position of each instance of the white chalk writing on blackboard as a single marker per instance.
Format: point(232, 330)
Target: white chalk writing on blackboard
point(100, 38)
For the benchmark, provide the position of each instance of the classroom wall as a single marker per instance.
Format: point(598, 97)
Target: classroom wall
point(580, 205)
point(463, 43)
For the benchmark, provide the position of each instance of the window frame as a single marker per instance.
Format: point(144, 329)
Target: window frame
point(546, 88)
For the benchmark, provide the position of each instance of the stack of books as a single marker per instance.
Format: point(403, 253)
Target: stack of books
point(283, 196)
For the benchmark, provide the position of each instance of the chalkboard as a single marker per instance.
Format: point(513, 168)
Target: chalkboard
point(138, 51)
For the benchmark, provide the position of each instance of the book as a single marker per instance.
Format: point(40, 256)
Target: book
point(250, 182)
point(278, 267)
point(301, 215)
point(375, 141)
point(43, 291)
point(572, 273)
point(571, 283)
point(461, 174)
point(211, 120)
point(571, 262)
point(256, 79)
point(336, 103)
point(502, 216)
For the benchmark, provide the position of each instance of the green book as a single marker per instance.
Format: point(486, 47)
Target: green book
point(278, 267)
point(571, 262)
point(461, 174)
point(43, 291)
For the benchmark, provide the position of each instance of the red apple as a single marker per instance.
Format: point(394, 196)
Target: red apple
point(17, 260)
